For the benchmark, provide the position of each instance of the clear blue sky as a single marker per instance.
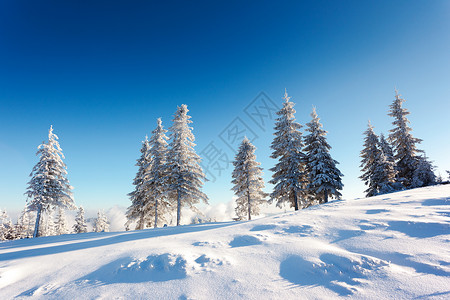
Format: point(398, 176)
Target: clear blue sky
point(101, 72)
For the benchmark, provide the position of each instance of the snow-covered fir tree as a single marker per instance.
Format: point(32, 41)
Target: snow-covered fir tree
point(324, 176)
point(49, 186)
point(61, 223)
point(289, 174)
point(101, 222)
point(80, 223)
point(7, 230)
point(24, 226)
point(139, 196)
point(404, 144)
point(157, 204)
point(378, 173)
point(247, 180)
point(185, 176)
point(423, 174)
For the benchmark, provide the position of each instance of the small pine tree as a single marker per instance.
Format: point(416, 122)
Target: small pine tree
point(289, 174)
point(7, 230)
point(101, 223)
point(423, 174)
point(24, 226)
point(378, 172)
point(61, 223)
point(80, 223)
point(49, 186)
point(324, 176)
point(247, 180)
point(139, 197)
point(185, 177)
point(404, 144)
point(158, 203)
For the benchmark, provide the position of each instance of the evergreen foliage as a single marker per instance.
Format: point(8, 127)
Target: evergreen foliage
point(49, 186)
point(158, 203)
point(247, 180)
point(80, 223)
point(378, 172)
point(139, 197)
point(324, 176)
point(423, 174)
point(289, 174)
point(404, 144)
point(184, 175)
point(101, 223)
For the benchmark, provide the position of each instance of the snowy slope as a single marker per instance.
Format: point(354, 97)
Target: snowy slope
point(393, 246)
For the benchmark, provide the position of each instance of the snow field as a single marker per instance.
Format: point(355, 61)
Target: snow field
point(389, 246)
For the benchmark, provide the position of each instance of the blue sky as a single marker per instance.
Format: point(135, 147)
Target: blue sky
point(102, 72)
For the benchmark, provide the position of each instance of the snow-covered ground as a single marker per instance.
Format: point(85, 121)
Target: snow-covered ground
point(393, 246)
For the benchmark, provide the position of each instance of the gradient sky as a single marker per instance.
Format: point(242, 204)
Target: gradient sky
point(101, 72)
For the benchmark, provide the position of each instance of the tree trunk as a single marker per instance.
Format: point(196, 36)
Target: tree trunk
point(249, 207)
point(178, 208)
point(295, 200)
point(141, 221)
point(38, 220)
point(325, 199)
point(248, 199)
point(156, 213)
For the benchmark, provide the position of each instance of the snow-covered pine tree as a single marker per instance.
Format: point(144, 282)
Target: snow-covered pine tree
point(61, 223)
point(378, 173)
point(101, 223)
point(423, 174)
point(7, 230)
point(384, 175)
point(369, 157)
point(404, 144)
point(324, 176)
point(247, 180)
point(290, 177)
point(185, 176)
point(49, 186)
point(80, 223)
point(158, 203)
point(24, 226)
point(139, 196)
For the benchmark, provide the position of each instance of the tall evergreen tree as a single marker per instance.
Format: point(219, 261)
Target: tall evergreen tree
point(404, 144)
point(101, 223)
point(139, 197)
point(80, 223)
point(61, 223)
point(289, 174)
point(158, 203)
point(185, 176)
point(378, 173)
point(49, 186)
point(247, 180)
point(324, 176)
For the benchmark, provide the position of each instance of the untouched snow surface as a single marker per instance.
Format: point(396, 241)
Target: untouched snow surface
point(393, 246)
